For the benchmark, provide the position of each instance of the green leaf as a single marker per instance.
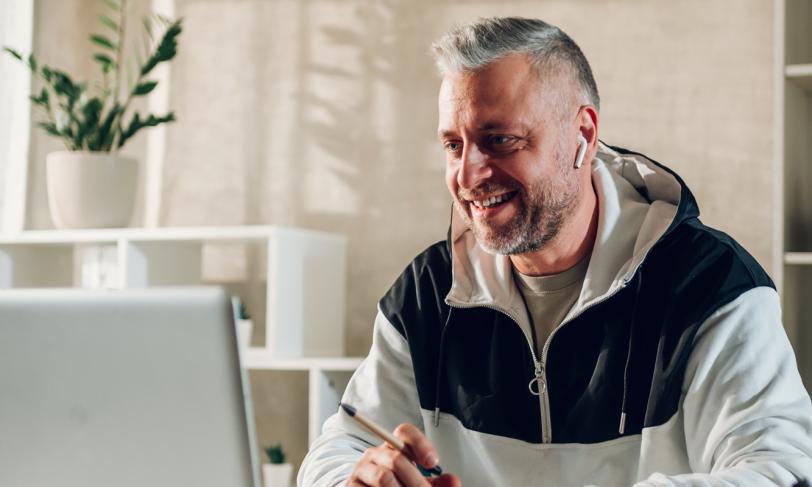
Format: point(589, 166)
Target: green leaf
point(136, 124)
point(112, 4)
point(144, 88)
point(47, 73)
point(92, 110)
point(71, 92)
point(41, 99)
point(50, 128)
point(89, 122)
point(14, 53)
point(106, 132)
point(32, 63)
point(103, 41)
point(63, 85)
point(166, 49)
point(103, 59)
point(276, 454)
point(110, 23)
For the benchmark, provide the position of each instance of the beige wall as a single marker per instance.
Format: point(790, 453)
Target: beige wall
point(322, 114)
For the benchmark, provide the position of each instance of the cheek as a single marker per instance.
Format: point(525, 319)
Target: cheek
point(451, 179)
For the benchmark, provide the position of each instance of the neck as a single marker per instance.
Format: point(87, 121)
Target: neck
point(572, 244)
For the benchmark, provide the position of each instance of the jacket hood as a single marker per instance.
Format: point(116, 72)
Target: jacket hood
point(639, 202)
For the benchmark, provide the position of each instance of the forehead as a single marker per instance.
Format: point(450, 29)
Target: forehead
point(505, 92)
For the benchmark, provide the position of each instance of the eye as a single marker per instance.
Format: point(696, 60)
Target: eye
point(500, 143)
point(452, 146)
point(498, 140)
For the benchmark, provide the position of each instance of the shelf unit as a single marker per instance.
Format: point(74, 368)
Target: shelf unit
point(792, 261)
point(274, 270)
point(327, 379)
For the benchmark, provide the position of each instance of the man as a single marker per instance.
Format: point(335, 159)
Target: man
point(579, 325)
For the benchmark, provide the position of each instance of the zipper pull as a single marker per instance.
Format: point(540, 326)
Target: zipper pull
point(538, 380)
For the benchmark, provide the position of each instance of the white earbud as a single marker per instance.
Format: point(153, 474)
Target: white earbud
point(581, 151)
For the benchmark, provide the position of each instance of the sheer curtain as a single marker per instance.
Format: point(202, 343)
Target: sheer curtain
point(16, 26)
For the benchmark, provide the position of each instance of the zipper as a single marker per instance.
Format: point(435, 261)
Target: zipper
point(604, 298)
point(545, 399)
point(540, 380)
point(539, 377)
point(539, 366)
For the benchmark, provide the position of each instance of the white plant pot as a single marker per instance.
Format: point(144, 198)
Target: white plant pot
point(276, 475)
point(91, 189)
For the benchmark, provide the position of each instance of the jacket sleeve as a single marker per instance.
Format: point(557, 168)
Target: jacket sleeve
point(747, 417)
point(383, 389)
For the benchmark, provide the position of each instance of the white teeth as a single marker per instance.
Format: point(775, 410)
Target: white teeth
point(488, 202)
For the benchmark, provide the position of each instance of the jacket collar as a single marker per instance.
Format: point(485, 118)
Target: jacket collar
point(639, 202)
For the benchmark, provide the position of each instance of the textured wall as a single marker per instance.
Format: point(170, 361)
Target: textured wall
point(322, 114)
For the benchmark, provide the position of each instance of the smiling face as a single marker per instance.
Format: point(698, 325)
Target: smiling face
point(508, 145)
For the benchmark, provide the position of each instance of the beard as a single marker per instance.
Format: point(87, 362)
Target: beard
point(544, 208)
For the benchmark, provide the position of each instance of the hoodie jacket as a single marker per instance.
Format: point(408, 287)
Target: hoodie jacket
point(671, 369)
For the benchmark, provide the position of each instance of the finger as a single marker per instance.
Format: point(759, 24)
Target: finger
point(446, 480)
point(405, 471)
point(420, 447)
point(354, 482)
point(372, 475)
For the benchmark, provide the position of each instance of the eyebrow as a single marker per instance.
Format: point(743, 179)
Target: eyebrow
point(487, 126)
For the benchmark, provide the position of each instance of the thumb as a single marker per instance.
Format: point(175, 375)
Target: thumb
point(445, 480)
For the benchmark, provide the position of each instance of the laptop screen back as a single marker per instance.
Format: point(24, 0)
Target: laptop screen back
point(124, 388)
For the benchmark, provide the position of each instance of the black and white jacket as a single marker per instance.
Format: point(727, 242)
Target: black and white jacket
point(671, 369)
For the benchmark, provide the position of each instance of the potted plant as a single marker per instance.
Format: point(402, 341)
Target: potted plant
point(89, 184)
point(276, 473)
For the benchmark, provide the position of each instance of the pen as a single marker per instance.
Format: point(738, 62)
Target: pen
point(388, 437)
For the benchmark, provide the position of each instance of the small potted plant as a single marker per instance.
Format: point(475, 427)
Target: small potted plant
point(276, 473)
point(89, 184)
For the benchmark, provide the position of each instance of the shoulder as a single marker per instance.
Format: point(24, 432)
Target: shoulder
point(700, 247)
point(704, 267)
point(419, 291)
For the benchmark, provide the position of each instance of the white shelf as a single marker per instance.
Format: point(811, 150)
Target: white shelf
point(257, 358)
point(798, 258)
point(294, 265)
point(279, 271)
point(800, 74)
point(113, 235)
point(327, 378)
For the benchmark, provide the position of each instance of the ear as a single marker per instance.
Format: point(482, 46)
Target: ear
point(587, 121)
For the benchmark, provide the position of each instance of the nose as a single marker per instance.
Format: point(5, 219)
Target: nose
point(474, 167)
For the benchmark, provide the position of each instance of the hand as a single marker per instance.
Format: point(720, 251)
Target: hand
point(383, 466)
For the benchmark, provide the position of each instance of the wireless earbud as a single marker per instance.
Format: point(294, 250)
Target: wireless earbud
point(581, 151)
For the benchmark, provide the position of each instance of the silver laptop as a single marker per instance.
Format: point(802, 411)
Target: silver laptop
point(122, 388)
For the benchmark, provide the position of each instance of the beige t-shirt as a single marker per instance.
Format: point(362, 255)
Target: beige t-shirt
point(549, 298)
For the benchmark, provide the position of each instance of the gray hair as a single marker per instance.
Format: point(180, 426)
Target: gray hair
point(473, 46)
